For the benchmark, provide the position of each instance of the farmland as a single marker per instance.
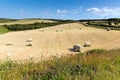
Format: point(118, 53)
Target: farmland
point(49, 57)
point(113, 23)
point(56, 40)
point(22, 21)
point(60, 40)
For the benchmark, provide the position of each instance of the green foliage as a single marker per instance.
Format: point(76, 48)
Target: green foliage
point(109, 23)
point(104, 65)
point(2, 20)
point(19, 27)
point(96, 51)
point(113, 23)
point(3, 30)
point(88, 22)
point(116, 21)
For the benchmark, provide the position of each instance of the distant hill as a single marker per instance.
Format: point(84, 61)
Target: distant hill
point(3, 20)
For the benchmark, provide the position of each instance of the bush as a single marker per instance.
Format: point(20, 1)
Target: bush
point(19, 27)
point(72, 67)
point(96, 51)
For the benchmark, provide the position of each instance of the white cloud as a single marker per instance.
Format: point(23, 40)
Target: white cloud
point(61, 11)
point(94, 10)
point(105, 11)
point(71, 11)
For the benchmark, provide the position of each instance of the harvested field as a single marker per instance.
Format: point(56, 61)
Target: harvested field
point(26, 22)
point(47, 42)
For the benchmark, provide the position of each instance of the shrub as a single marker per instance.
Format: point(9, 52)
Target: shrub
point(96, 51)
point(71, 67)
point(19, 27)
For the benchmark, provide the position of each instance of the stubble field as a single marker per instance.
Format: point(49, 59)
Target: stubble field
point(55, 41)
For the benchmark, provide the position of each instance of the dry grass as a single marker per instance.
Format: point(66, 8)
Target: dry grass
point(26, 22)
point(47, 42)
point(99, 64)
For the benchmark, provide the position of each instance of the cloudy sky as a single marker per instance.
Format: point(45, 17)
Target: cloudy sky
point(60, 9)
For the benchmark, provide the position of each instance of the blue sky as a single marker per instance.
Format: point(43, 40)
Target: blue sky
point(60, 9)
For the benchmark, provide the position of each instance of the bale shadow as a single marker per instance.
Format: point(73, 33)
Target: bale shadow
point(28, 45)
point(71, 49)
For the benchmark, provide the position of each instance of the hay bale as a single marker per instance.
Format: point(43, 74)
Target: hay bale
point(31, 57)
point(8, 56)
point(80, 28)
point(29, 44)
point(108, 29)
point(9, 43)
point(77, 48)
point(29, 40)
point(87, 44)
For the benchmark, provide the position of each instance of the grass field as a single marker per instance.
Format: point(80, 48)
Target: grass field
point(3, 30)
point(49, 58)
point(102, 24)
point(97, 64)
point(22, 21)
point(26, 21)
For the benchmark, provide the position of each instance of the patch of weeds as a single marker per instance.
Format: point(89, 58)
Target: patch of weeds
point(96, 51)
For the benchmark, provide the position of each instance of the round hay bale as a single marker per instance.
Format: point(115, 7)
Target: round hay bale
point(29, 44)
point(87, 44)
point(9, 43)
point(77, 48)
point(8, 56)
point(31, 57)
point(29, 40)
point(108, 29)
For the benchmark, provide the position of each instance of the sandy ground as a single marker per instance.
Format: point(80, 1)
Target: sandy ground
point(55, 41)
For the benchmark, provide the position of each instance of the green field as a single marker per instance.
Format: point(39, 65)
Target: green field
point(4, 21)
point(97, 64)
point(113, 23)
point(28, 24)
point(3, 30)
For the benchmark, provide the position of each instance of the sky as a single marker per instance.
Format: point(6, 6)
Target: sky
point(60, 9)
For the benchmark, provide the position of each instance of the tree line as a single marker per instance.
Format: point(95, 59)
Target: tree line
point(36, 25)
point(112, 22)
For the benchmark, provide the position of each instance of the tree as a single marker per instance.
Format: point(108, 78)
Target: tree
point(88, 22)
point(116, 22)
point(110, 23)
